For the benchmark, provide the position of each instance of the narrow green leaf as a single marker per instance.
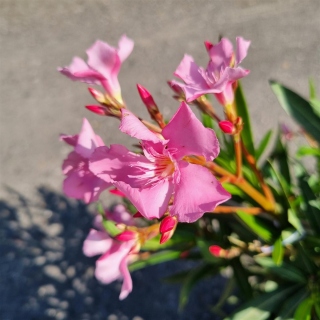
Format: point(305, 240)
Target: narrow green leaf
point(280, 154)
point(155, 258)
point(294, 220)
point(299, 108)
point(263, 144)
point(278, 252)
point(285, 271)
point(193, 278)
point(303, 311)
point(312, 89)
point(207, 121)
point(256, 224)
point(291, 304)
point(234, 190)
point(312, 210)
point(308, 151)
point(315, 104)
point(242, 110)
point(317, 307)
point(261, 307)
point(241, 275)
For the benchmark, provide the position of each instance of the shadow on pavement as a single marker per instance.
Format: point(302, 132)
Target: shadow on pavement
point(44, 274)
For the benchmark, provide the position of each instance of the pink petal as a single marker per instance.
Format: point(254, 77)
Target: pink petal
point(189, 91)
point(150, 202)
point(97, 242)
point(83, 185)
point(242, 49)
point(127, 281)
point(104, 59)
point(189, 72)
point(125, 47)
point(221, 54)
point(88, 141)
point(132, 126)
point(78, 70)
point(198, 192)
point(236, 73)
point(108, 265)
point(188, 135)
point(69, 139)
point(114, 163)
point(71, 162)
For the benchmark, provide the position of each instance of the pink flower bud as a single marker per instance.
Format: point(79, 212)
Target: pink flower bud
point(126, 235)
point(166, 236)
point(177, 89)
point(227, 127)
point(168, 223)
point(99, 96)
point(117, 192)
point(97, 109)
point(208, 45)
point(147, 99)
point(215, 250)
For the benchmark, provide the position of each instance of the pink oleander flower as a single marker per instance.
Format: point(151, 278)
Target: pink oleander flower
point(222, 70)
point(80, 182)
point(162, 177)
point(103, 66)
point(115, 254)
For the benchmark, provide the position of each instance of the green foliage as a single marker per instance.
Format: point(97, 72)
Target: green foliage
point(274, 255)
point(299, 108)
point(243, 112)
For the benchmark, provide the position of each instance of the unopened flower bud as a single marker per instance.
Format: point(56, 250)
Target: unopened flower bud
point(97, 109)
point(126, 235)
point(177, 89)
point(168, 223)
point(208, 45)
point(167, 228)
point(117, 192)
point(147, 99)
point(166, 236)
point(227, 127)
point(215, 251)
point(99, 96)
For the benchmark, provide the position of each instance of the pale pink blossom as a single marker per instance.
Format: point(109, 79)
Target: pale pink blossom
point(115, 254)
point(162, 174)
point(222, 70)
point(103, 66)
point(80, 182)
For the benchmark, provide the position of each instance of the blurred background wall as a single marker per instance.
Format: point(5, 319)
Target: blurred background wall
point(37, 103)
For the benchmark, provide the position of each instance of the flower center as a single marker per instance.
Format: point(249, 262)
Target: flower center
point(157, 167)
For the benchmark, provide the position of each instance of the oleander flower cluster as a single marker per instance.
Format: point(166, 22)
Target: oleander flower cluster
point(168, 178)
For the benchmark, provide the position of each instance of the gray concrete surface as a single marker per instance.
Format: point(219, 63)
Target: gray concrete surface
point(37, 104)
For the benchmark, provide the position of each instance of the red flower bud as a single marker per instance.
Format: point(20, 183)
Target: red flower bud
point(215, 250)
point(208, 45)
point(97, 109)
point(227, 127)
point(126, 235)
point(99, 96)
point(147, 99)
point(166, 236)
point(117, 192)
point(168, 223)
